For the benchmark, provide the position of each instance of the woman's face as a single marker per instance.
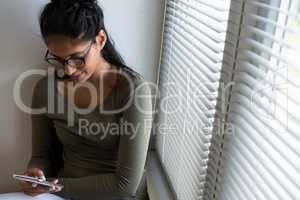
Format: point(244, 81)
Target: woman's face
point(62, 47)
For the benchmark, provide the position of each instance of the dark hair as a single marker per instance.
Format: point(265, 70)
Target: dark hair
point(78, 19)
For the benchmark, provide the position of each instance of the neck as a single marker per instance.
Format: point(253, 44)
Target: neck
point(104, 78)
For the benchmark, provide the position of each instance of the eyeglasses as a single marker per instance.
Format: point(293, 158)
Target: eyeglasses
point(73, 61)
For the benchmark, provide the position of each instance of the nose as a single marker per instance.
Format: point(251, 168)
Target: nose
point(69, 70)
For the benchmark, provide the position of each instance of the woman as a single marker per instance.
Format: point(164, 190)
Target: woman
point(95, 164)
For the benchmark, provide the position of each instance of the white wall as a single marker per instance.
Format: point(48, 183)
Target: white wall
point(135, 26)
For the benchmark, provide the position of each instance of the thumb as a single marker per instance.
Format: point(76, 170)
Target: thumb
point(40, 174)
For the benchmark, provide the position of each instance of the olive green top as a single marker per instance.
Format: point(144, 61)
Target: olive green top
point(103, 154)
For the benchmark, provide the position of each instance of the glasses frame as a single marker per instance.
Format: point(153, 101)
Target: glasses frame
point(66, 61)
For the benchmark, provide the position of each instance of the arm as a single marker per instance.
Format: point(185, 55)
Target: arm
point(133, 149)
point(43, 133)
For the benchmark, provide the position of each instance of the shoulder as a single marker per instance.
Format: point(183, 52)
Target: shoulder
point(130, 76)
point(133, 86)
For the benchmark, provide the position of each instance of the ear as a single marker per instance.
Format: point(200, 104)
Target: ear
point(101, 39)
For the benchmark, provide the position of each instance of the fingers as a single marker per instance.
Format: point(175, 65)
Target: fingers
point(24, 185)
point(34, 185)
point(33, 193)
point(36, 172)
point(34, 189)
point(43, 189)
point(55, 188)
point(37, 189)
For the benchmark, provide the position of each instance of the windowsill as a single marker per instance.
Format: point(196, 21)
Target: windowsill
point(157, 184)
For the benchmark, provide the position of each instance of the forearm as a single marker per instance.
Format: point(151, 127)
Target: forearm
point(104, 186)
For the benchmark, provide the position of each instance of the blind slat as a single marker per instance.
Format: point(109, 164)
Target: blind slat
point(193, 45)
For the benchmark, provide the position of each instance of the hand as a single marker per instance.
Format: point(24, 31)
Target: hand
point(33, 189)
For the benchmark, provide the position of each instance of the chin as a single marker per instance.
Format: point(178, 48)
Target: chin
point(84, 78)
point(81, 80)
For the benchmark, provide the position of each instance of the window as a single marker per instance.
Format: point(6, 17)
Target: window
point(228, 125)
point(261, 159)
point(194, 40)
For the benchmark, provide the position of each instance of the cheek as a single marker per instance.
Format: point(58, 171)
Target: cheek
point(90, 67)
point(93, 60)
point(92, 63)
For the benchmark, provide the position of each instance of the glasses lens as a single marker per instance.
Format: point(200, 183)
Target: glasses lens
point(54, 63)
point(75, 62)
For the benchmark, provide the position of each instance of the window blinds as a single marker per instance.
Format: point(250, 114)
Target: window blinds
point(193, 46)
point(261, 159)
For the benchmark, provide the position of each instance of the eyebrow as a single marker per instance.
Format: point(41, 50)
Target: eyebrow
point(72, 55)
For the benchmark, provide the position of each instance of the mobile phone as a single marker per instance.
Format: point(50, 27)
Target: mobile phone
point(38, 181)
